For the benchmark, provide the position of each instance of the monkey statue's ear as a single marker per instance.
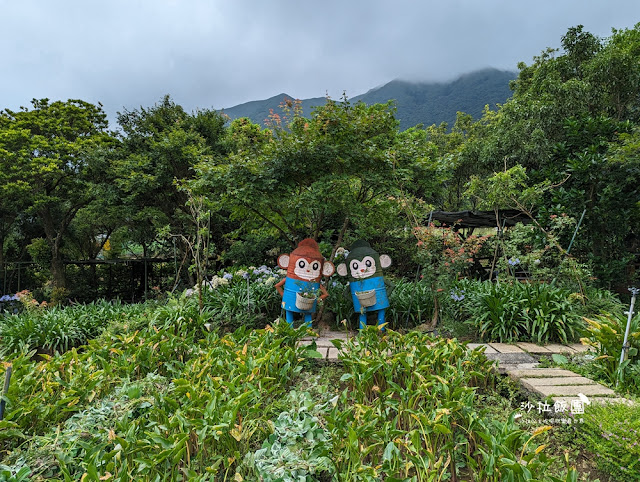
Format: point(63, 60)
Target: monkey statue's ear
point(328, 268)
point(283, 261)
point(385, 260)
point(342, 269)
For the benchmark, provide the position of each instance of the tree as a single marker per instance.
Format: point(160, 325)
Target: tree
point(569, 113)
point(49, 152)
point(315, 177)
point(159, 148)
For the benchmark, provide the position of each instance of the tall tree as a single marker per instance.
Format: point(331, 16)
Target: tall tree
point(49, 150)
point(310, 177)
point(159, 149)
point(570, 110)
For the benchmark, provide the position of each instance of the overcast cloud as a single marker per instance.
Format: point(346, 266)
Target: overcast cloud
point(215, 54)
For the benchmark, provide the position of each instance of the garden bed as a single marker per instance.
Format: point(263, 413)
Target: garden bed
point(164, 390)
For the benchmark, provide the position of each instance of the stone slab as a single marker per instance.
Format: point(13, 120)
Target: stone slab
point(594, 400)
point(579, 347)
point(324, 342)
point(505, 348)
point(511, 358)
point(332, 354)
point(540, 373)
point(533, 348)
point(557, 381)
point(573, 390)
point(504, 369)
point(555, 348)
point(487, 348)
point(333, 335)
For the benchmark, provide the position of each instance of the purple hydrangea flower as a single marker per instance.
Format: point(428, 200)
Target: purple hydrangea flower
point(457, 296)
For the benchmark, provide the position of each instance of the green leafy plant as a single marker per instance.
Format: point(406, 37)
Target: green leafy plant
point(612, 435)
point(409, 413)
point(535, 312)
point(161, 401)
point(605, 333)
point(411, 303)
point(299, 447)
point(57, 329)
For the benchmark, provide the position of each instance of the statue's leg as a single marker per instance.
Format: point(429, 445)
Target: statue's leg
point(289, 315)
point(363, 320)
point(381, 318)
point(307, 319)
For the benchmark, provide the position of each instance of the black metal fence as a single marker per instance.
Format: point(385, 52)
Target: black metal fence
point(126, 279)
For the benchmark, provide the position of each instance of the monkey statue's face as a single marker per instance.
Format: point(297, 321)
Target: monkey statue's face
point(308, 265)
point(306, 269)
point(363, 262)
point(362, 268)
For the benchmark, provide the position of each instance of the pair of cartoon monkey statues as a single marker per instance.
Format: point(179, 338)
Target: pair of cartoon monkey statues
point(305, 266)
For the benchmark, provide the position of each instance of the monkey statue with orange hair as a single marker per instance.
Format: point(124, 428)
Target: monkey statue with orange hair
point(305, 267)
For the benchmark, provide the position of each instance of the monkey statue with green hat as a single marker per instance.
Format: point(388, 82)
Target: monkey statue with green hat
point(363, 266)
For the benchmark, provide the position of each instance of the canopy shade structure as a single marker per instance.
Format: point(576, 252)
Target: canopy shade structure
point(481, 219)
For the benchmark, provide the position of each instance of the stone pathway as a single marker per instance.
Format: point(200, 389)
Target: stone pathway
point(520, 362)
point(325, 347)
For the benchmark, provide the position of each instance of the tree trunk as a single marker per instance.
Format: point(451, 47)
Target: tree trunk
point(57, 268)
point(2, 263)
point(54, 237)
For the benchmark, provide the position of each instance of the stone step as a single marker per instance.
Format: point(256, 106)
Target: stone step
point(487, 348)
point(592, 389)
point(594, 400)
point(533, 348)
point(505, 348)
point(541, 373)
point(511, 358)
point(556, 381)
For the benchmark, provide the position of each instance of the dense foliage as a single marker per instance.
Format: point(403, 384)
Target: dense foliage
point(158, 397)
point(563, 146)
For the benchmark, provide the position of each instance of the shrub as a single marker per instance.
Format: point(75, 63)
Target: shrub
point(612, 433)
point(154, 404)
point(298, 448)
point(57, 329)
point(9, 304)
point(411, 303)
point(535, 312)
point(409, 413)
point(605, 333)
point(244, 298)
point(339, 300)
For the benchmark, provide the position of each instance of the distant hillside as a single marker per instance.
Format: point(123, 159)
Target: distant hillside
point(417, 102)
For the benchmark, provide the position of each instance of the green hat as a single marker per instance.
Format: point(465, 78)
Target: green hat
point(362, 257)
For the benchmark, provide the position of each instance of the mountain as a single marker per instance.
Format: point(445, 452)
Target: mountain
point(424, 103)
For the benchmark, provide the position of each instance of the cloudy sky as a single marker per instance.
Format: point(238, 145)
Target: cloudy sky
point(214, 53)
